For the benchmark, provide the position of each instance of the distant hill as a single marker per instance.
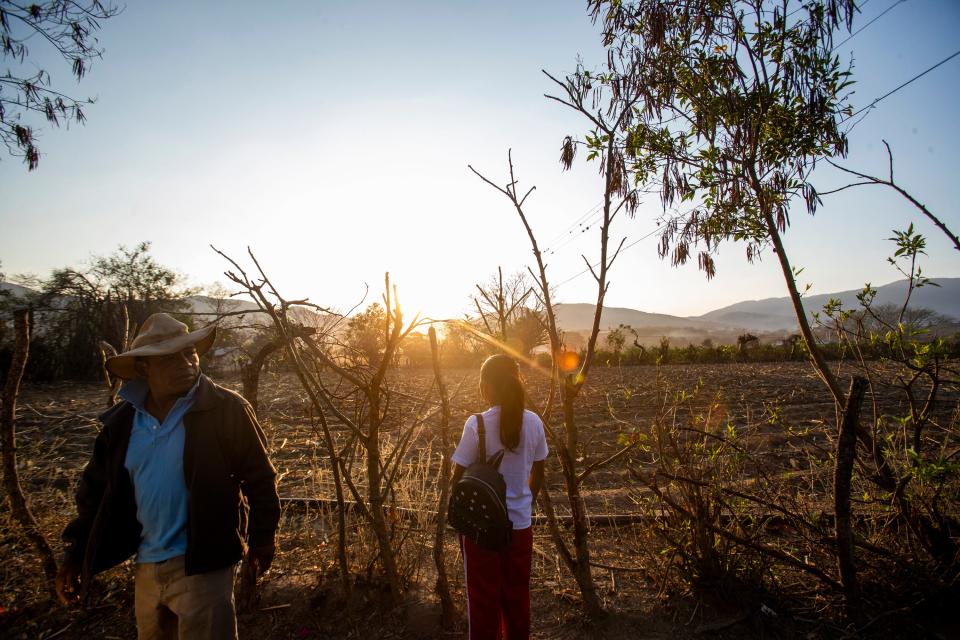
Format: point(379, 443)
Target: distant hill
point(776, 314)
point(202, 305)
point(213, 306)
point(769, 318)
point(579, 317)
point(251, 314)
point(650, 328)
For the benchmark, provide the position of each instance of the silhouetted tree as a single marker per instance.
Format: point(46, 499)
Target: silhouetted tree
point(364, 338)
point(80, 307)
point(616, 339)
point(745, 342)
point(528, 330)
point(500, 301)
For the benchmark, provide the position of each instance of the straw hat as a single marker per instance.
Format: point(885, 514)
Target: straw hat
point(160, 335)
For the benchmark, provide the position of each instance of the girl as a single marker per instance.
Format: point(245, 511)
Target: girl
point(498, 582)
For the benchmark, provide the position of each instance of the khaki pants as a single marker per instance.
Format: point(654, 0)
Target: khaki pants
point(172, 605)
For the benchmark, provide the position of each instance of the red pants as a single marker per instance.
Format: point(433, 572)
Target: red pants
point(498, 588)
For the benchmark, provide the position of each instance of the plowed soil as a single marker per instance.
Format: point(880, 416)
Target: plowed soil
point(781, 411)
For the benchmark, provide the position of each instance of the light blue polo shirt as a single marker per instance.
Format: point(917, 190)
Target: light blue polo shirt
point(155, 462)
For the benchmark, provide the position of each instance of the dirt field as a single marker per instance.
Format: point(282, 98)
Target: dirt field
point(782, 409)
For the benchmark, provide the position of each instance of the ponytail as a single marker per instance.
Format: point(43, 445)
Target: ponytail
point(502, 374)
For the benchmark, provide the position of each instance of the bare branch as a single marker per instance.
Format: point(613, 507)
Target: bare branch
point(867, 179)
point(602, 463)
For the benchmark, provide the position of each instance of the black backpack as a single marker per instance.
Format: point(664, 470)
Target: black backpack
point(478, 503)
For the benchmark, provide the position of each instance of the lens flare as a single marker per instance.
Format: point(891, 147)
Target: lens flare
point(506, 348)
point(568, 361)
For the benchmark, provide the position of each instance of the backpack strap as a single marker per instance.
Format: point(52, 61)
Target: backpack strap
point(482, 435)
point(497, 458)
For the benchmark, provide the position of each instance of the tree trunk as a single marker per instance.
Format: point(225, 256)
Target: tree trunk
point(819, 362)
point(447, 610)
point(578, 511)
point(567, 396)
point(341, 507)
point(250, 378)
point(250, 372)
point(935, 537)
point(846, 455)
point(375, 498)
point(112, 383)
point(11, 481)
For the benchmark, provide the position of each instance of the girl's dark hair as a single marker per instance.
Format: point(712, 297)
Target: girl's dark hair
point(502, 375)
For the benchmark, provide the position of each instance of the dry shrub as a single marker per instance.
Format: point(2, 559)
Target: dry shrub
point(736, 500)
point(741, 502)
point(686, 461)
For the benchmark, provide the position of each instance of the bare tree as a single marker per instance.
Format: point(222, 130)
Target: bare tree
point(511, 314)
point(443, 482)
point(575, 469)
point(8, 438)
point(363, 409)
point(499, 303)
point(256, 357)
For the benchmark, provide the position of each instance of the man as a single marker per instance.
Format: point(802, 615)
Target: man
point(175, 469)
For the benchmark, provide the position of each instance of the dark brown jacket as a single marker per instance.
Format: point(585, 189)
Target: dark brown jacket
point(229, 480)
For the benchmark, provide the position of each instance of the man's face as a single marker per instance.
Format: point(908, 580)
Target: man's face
point(171, 375)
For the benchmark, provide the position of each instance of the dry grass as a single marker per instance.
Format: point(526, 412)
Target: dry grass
point(781, 410)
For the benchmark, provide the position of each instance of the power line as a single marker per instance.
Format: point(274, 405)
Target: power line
point(893, 91)
point(632, 244)
point(573, 226)
point(584, 227)
point(587, 270)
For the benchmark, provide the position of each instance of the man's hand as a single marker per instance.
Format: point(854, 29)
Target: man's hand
point(260, 558)
point(68, 582)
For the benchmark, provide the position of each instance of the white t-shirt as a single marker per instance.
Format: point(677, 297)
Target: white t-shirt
point(516, 464)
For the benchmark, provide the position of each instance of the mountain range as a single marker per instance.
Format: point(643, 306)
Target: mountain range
point(766, 316)
point(773, 314)
point(770, 316)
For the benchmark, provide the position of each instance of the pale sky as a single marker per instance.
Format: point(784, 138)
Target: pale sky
point(334, 138)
